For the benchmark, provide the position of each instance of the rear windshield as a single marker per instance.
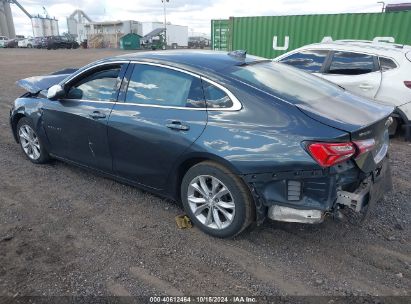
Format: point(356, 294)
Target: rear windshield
point(287, 82)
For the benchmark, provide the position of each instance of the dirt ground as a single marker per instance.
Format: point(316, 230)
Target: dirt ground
point(66, 231)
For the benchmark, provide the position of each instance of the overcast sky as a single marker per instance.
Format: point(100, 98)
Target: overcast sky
point(196, 14)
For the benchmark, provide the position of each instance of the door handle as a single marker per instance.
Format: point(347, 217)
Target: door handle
point(365, 86)
point(177, 125)
point(97, 115)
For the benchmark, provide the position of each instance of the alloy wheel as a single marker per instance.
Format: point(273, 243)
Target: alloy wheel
point(29, 142)
point(211, 202)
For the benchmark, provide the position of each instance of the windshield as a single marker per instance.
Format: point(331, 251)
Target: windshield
point(286, 82)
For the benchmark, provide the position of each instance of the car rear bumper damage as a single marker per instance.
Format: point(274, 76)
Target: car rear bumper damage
point(309, 196)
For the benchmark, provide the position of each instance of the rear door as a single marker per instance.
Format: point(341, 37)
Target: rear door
point(163, 112)
point(356, 72)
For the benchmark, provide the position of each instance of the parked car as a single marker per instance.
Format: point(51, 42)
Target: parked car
point(26, 43)
point(380, 71)
point(198, 42)
point(38, 42)
point(236, 138)
point(12, 43)
point(59, 42)
point(3, 40)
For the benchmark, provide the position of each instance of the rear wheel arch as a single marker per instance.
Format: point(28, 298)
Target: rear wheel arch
point(245, 208)
point(189, 162)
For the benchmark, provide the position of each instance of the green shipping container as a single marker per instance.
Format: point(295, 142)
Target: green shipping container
point(130, 42)
point(220, 35)
point(274, 35)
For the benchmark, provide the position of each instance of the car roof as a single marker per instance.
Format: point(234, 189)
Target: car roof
point(205, 61)
point(377, 48)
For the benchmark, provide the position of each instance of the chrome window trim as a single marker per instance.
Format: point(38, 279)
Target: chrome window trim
point(79, 72)
point(235, 107)
point(236, 103)
point(89, 100)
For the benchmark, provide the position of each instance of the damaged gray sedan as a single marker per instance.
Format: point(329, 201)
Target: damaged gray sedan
point(235, 138)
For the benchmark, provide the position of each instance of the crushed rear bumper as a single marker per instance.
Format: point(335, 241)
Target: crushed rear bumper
point(307, 196)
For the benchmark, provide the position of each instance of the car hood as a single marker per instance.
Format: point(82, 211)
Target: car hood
point(36, 84)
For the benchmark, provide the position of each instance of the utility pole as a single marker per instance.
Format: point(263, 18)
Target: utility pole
point(165, 21)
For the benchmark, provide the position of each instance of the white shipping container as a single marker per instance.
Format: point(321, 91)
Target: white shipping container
point(176, 34)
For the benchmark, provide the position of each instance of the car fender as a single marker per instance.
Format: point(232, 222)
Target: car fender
point(189, 159)
point(30, 108)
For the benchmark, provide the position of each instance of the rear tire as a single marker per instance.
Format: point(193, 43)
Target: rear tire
point(30, 143)
point(226, 210)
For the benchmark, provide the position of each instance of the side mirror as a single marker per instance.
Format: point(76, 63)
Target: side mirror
point(55, 91)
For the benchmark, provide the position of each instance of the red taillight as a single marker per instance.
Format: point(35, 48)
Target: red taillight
point(407, 84)
point(363, 146)
point(329, 154)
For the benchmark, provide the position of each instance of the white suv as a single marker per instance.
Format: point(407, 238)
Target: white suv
point(377, 70)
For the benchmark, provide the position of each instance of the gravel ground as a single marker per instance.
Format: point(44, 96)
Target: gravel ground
point(66, 231)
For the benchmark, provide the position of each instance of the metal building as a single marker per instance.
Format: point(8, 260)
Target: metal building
point(271, 36)
point(75, 25)
point(6, 20)
point(43, 26)
point(107, 34)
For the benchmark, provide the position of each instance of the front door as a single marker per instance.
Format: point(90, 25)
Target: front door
point(76, 125)
point(163, 113)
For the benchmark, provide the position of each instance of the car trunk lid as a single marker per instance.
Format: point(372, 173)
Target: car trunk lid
point(365, 120)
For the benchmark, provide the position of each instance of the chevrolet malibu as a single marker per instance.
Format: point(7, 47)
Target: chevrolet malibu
point(235, 138)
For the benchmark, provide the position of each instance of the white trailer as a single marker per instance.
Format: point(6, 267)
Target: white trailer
point(177, 35)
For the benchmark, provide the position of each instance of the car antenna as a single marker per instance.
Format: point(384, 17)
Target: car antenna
point(238, 54)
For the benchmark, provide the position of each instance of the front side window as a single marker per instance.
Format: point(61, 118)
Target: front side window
point(99, 85)
point(347, 63)
point(153, 85)
point(310, 61)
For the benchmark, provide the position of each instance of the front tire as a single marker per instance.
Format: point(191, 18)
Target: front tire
point(30, 142)
point(217, 200)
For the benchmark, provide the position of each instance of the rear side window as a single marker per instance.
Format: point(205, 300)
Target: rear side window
point(347, 63)
point(153, 85)
point(310, 61)
point(387, 64)
point(215, 97)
